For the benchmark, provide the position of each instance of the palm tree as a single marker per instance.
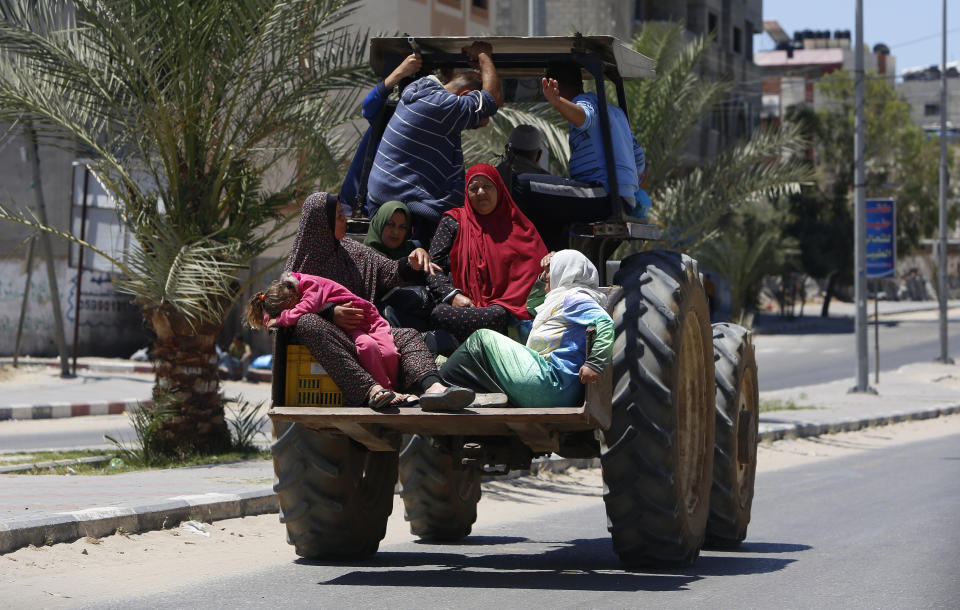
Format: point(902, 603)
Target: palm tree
point(694, 203)
point(753, 246)
point(188, 110)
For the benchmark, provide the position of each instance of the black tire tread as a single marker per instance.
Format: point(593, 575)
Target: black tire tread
point(431, 486)
point(335, 496)
point(734, 355)
point(646, 518)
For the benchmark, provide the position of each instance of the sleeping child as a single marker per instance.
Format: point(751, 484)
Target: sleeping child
point(296, 294)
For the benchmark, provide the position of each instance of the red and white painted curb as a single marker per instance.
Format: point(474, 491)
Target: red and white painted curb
point(105, 367)
point(75, 409)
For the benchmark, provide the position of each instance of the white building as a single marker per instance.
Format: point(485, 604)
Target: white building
point(921, 89)
point(791, 71)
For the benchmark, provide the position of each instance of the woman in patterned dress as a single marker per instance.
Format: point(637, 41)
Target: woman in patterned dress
point(320, 248)
point(492, 253)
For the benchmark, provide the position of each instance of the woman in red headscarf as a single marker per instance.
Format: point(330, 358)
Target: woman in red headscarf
point(492, 253)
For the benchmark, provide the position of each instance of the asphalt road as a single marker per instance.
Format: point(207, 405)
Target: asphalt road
point(871, 530)
point(791, 360)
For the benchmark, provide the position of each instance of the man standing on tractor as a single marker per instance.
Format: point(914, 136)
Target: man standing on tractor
point(420, 158)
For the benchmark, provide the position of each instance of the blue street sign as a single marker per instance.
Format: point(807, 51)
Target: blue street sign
point(881, 238)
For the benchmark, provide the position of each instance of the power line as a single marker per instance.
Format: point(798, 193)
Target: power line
point(922, 38)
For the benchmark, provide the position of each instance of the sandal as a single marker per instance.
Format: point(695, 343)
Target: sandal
point(381, 398)
point(451, 399)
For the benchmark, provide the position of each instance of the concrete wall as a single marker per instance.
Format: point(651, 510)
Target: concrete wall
point(425, 17)
point(109, 323)
point(603, 17)
point(922, 93)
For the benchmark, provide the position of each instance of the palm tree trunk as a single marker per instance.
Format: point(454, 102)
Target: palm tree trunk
point(187, 384)
point(831, 287)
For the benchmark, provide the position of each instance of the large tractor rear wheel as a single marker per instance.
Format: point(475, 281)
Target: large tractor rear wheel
point(335, 495)
point(737, 431)
point(658, 454)
point(439, 496)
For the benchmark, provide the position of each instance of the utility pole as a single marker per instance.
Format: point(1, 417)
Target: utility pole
point(32, 152)
point(536, 18)
point(942, 258)
point(859, 224)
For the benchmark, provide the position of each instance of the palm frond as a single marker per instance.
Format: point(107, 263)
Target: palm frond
point(30, 220)
point(197, 279)
point(485, 144)
point(184, 108)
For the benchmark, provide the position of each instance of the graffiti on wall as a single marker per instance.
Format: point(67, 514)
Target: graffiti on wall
point(100, 302)
point(109, 323)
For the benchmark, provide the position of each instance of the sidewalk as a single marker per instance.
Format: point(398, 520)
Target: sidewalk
point(46, 509)
point(102, 386)
point(842, 316)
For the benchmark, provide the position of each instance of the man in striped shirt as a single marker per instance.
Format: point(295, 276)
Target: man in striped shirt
point(420, 159)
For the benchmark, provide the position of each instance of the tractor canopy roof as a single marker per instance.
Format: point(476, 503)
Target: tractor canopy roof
point(519, 58)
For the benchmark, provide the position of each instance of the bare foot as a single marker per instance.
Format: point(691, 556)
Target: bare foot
point(435, 388)
point(404, 399)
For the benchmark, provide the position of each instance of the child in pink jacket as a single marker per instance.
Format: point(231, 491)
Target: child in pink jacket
point(296, 294)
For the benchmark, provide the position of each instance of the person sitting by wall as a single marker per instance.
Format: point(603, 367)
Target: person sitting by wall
point(236, 358)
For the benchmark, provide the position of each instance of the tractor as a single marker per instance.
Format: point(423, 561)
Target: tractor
point(674, 420)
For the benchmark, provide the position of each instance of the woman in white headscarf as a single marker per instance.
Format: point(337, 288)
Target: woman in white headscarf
point(554, 366)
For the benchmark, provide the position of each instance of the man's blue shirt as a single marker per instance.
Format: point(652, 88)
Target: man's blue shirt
point(351, 182)
point(587, 161)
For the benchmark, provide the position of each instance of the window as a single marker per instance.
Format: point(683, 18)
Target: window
point(737, 40)
point(931, 109)
point(478, 10)
point(711, 22)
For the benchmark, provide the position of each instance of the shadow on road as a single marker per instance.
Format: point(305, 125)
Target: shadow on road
point(577, 565)
point(477, 541)
point(768, 324)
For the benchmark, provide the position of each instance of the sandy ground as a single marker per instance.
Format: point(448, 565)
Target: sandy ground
point(91, 570)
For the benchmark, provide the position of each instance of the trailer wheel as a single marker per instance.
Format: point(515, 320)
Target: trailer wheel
point(335, 495)
point(658, 453)
point(737, 431)
point(439, 497)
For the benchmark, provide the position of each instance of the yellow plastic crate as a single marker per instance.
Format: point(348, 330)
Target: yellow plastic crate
point(307, 383)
